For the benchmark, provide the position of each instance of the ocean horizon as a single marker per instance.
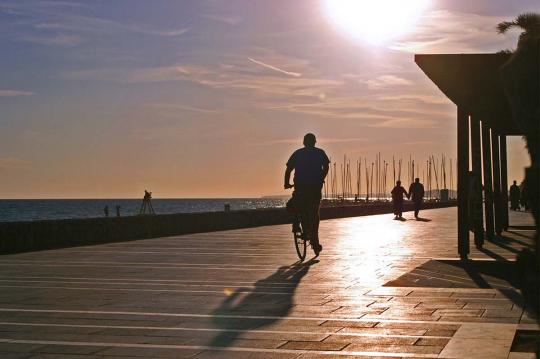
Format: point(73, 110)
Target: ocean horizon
point(19, 210)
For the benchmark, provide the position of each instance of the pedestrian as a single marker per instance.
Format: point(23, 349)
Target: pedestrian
point(118, 210)
point(397, 199)
point(514, 196)
point(416, 193)
point(106, 211)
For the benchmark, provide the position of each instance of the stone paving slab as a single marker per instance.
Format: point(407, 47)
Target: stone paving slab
point(242, 294)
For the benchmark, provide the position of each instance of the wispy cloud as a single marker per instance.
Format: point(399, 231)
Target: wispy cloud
point(289, 73)
point(321, 140)
point(60, 16)
point(14, 93)
point(8, 163)
point(224, 18)
point(386, 81)
point(444, 31)
point(56, 40)
point(165, 108)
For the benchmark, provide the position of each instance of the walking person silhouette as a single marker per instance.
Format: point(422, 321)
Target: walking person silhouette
point(397, 199)
point(416, 193)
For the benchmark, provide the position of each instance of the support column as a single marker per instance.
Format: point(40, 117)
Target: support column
point(496, 182)
point(462, 184)
point(488, 189)
point(504, 181)
point(476, 196)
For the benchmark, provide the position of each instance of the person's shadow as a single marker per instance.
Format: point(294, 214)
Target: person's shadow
point(420, 219)
point(260, 307)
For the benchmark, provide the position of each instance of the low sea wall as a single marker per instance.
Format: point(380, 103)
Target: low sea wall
point(18, 237)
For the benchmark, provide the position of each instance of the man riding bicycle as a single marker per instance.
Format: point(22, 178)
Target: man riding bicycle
point(310, 165)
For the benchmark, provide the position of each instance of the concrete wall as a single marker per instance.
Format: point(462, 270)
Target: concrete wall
point(37, 235)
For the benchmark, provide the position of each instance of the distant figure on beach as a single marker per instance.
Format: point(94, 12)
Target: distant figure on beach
point(397, 199)
point(106, 211)
point(147, 204)
point(118, 210)
point(514, 196)
point(310, 165)
point(416, 193)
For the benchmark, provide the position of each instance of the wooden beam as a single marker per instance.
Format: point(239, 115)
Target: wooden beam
point(488, 188)
point(476, 196)
point(496, 182)
point(463, 170)
point(504, 181)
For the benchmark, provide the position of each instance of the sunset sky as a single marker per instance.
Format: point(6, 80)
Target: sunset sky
point(208, 98)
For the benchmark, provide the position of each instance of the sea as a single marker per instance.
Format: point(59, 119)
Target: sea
point(17, 210)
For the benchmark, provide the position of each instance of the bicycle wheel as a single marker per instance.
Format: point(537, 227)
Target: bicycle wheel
point(300, 244)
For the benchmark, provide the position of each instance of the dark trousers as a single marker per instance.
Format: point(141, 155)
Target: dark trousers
point(309, 198)
point(398, 208)
point(417, 206)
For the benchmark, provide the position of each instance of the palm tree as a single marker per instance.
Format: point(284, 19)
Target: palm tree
point(528, 22)
point(521, 77)
point(521, 81)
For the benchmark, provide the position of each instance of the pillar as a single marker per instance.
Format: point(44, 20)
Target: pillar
point(462, 185)
point(496, 182)
point(476, 197)
point(488, 189)
point(504, 181)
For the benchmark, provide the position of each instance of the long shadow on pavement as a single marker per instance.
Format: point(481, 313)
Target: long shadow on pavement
point(268, 302)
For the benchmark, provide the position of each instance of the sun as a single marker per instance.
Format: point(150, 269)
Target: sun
point(375, 21)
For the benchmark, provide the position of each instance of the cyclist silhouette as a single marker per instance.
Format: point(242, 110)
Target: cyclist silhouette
point(310, 165)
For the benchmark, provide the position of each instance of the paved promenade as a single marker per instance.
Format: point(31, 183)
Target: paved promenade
point(242, 294)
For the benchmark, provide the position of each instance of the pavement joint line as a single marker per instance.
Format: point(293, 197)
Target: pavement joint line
point(157, 284)
point(201, 315)
point(36, 261)
point(138, 266)
point(214, 348)
point(356, 297)
point(142, 290)
point(167, 281)
point(105, 281)
point(223, 330)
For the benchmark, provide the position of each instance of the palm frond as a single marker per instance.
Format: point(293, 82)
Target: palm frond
point(529, 21)
point(504, 26)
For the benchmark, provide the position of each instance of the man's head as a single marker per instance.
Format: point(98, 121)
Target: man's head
point(398, 183)
point(515, 182)
point(417, 180)
point(309, 140)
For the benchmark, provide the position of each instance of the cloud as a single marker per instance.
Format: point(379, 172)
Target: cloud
point(172, 109)
point(445, 31)
point(56, 40)
point(60, 16)
point(289, 73)
point(224, 18)
point(386, 81)
point(14, 93)
point(321, 140)
point(7, 163)
point(404, 123)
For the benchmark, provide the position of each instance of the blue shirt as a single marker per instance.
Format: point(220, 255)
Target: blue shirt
point(308, 163)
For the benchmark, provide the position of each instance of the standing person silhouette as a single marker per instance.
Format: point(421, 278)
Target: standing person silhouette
point(397, 199)
point(514, 196)
point(310, 165)
point(416, 193)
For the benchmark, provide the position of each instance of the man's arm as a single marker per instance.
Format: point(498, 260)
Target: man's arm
point(325, 170)
point(287, 179)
